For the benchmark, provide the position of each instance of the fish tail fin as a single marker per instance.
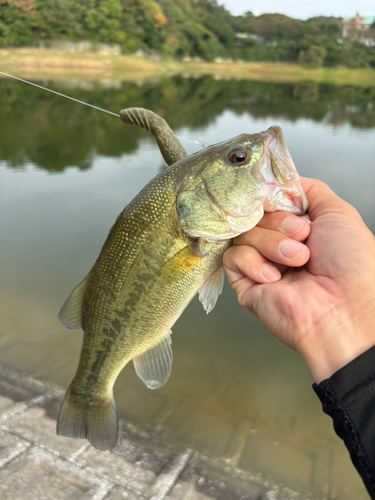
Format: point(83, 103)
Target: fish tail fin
point(96, 421)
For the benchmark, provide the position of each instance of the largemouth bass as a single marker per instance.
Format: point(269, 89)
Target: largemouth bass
point(165, 247)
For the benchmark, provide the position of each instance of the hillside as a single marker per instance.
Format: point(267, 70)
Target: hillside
point(181, 29)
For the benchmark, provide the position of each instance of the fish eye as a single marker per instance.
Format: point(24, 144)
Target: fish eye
point(238, 156)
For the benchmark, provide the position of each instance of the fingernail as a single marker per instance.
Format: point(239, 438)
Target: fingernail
point(292, 249)
point(270, 272)
point(292, 225)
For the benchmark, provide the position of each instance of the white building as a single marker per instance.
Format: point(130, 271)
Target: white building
point(359, 28)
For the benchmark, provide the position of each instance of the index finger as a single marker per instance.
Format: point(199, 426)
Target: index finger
point(296, 227)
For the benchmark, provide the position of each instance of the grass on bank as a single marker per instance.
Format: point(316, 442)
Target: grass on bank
point(31, 63)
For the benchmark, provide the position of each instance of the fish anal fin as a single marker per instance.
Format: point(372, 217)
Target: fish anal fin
point(70, 313)
point(210, 291)
point(96, 422)
point(155, 365)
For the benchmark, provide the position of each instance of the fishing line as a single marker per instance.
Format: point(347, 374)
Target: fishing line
point(61, 95)
point(198, 141)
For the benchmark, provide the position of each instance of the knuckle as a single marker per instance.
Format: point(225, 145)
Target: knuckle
point(229, 257)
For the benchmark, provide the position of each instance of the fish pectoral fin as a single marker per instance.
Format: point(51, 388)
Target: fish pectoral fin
point(210, 291)
point(155, 365)
point(70, 313)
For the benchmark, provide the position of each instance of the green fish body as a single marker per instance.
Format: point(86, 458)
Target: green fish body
point(164, 247)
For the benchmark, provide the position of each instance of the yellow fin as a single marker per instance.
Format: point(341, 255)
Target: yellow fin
point(70, 314)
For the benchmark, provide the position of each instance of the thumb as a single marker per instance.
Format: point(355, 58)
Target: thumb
point(320, 197)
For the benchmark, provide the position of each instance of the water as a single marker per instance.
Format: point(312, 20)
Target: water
point(67, 171)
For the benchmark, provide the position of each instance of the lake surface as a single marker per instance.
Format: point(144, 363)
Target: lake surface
point(67, 171)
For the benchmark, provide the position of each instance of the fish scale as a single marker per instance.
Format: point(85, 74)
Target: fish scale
point(166, 246)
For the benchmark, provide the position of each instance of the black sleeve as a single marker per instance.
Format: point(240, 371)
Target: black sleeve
point(349, 398)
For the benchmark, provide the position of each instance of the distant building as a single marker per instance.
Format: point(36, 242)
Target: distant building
point(359, 28)
point(257, 38)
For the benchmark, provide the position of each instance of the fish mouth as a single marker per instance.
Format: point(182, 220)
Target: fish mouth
point(279, 172)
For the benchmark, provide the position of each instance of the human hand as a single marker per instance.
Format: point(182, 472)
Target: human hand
point(316, 297)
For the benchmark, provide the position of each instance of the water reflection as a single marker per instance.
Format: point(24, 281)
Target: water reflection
point(234, 390)
point(43, 128)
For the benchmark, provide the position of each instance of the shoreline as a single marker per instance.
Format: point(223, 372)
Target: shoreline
point(34, 458)
point(50, 64)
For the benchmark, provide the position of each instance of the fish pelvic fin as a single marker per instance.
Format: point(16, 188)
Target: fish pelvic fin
point(155, 365)
point(210, 291)
point(95, 420)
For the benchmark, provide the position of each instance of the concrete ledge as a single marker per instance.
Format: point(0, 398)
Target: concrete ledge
point(36, 463)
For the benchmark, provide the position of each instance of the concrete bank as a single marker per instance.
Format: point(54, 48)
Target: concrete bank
point(35, 463)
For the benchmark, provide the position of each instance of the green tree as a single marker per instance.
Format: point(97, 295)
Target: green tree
point(217, 20)
point(60, 18)
point(358, 56)
point(18, 26)
point(101, 19)
point(178, 28)
point(208, 47)
point(244, 23)
point(327, 26)
point(274, 26)
point(312, 56)
point(151, 21)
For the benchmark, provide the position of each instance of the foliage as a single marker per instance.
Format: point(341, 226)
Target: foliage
point(17, 26)
point(61, 20)
point(313, 56)
point(181, 28)
point(274, 26)
point(41, 127)
point(323, 26)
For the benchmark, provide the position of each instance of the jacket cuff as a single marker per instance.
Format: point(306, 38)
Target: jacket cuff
point(348, 396)
point(351, 380)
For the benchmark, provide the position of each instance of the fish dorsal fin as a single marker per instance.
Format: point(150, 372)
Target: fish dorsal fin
point(210, 291)
point(155, 365)
point(70, 314)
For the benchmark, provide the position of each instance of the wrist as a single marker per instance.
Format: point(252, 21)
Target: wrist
point(328, 349)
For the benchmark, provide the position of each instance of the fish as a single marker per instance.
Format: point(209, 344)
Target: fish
point(166, 246)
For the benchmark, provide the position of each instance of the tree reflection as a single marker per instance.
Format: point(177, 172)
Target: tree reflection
point(54, 133)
